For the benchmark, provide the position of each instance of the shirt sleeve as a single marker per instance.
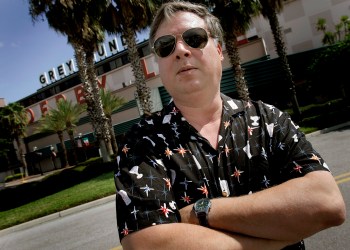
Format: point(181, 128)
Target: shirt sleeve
point(144, 193)
point(292, 153)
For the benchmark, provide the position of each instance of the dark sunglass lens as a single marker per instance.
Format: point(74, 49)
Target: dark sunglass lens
point(164, 45)
point(196, 38)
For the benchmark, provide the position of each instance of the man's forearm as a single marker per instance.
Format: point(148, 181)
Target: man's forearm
point(291, 211)
point(188, 236)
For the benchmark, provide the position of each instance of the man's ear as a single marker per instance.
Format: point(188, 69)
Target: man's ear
point(219, 49)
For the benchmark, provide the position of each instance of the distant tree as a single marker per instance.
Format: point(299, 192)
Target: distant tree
point(111, 103)
point(269, 9)
point(52, 123)
point(328, 66)
point(69, 113)
point(126, 17)
point(235, 18)
point(340, 33)
point(13, 122)
point(80, 21)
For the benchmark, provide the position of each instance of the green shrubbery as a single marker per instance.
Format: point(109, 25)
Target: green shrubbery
point(15, 196)
point(13, 177)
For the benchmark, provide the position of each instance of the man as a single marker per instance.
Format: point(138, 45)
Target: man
point(210, 172)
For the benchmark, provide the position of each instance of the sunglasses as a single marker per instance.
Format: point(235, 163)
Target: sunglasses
point(196, 38)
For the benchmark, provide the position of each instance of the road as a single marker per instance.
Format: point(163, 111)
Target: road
point(95, 228)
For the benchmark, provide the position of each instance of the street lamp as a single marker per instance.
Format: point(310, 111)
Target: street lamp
point(81, 144)
point(53, 156)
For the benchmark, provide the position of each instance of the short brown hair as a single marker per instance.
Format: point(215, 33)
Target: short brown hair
point(167, 10)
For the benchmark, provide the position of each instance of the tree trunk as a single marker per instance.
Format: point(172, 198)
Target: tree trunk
point(72, 141)
point(233, 54)
point(22, 156)
point(92, 97)
point(142, 90)
point(64, 149)
point(281, 51)
point(113, 139)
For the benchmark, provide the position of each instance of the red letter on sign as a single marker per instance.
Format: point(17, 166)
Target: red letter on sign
point(43, 107)
point(102, 84)
point(60, 96)
point(31, 115)
point(145, 70)
point(79, 94)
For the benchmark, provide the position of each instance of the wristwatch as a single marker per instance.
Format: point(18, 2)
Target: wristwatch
point(201, 209)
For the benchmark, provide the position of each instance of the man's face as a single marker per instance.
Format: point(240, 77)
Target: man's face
point(189, 72)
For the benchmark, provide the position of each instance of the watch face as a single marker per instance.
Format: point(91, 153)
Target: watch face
point(202, 205)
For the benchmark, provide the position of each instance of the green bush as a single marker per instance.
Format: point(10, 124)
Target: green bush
point(13, 177)
point(15, 196)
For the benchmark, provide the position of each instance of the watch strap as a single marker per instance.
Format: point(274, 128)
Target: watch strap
point(203, 219)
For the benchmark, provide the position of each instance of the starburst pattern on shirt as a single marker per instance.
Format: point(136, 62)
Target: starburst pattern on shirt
point(227, 124)
point(168, 152)
point(185, 183)
point(186, 198)
point(297, 167)
point(204, 190)
point(266, 181)
point(146, 189)
point(167, 182)
point(125, 149)
point(250, 130)
point(237, 174)
point(165, 210)
point(315, 158)
point(227, 150)
point(174, 111)
point(181, 150)
point(134, 212)
point(126, 230)
point(281, 146)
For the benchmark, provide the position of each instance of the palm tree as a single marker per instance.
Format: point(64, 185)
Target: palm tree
point(69, 113)
point(14, 121)
point(52, 123)
point(111, 103)
point(127, 17)
point(328, 36)
point(80, 21)
point(269, 9)
point(235, 17)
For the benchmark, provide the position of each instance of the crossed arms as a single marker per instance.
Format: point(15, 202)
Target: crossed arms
point(269, 219)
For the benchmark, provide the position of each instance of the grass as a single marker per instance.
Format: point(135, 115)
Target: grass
point(90, 190)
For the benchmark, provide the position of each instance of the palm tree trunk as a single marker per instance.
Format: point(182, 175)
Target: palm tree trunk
point(113, 139)
point(99, 121)
point(21, 156)
point(64, 149)
point(142, 90)
point(281, 51)
point(72, 141)
point(233, 54)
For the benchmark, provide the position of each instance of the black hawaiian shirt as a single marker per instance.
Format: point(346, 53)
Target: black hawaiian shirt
point(164, 164)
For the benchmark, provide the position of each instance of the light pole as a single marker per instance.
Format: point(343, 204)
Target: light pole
point(81, 145)
point(53, 156)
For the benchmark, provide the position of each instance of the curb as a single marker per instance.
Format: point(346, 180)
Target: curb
point(57, 215)
point(326, 130)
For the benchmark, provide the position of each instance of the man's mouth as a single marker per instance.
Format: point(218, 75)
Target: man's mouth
point(186, 68)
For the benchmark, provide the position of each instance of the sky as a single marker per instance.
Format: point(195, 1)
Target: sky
point(27, 50)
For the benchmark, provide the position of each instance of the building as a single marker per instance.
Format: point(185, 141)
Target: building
point(114, 72)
